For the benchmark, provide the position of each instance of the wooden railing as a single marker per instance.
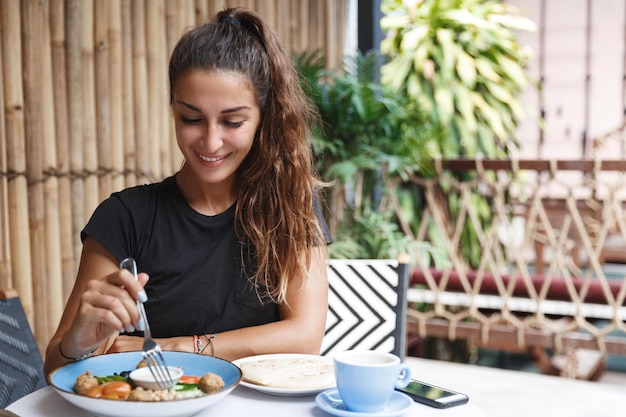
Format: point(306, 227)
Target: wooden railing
point(548, 231)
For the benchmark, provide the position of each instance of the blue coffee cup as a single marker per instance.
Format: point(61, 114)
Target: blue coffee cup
point(366, 379)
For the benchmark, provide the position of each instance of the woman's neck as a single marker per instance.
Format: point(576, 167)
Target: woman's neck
point(207, 199)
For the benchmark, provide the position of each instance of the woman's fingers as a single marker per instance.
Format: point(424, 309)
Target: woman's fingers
point(109, 305)
point(111, 301)
point(134, 286)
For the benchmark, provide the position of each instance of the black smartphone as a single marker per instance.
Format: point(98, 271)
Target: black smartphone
point(432, 395)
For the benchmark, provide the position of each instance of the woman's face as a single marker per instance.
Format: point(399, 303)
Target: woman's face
point(216, 117)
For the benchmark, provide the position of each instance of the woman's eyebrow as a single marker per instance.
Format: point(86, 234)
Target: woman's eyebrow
point(189, 106)
point(231, 110)
point(236, 109)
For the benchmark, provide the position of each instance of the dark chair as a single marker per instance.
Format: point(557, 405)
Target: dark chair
point(21, 367)
point(367, 305)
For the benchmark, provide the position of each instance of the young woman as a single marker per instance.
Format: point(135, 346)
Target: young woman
point(231, 248)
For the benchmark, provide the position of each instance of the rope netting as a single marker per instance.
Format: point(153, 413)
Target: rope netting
point(551, 264)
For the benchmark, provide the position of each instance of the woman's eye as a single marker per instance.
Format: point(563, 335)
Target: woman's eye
point(188, 120)
point(232, 124)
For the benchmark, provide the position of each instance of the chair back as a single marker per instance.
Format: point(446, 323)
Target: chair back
point(366, 305)
point(21, 367)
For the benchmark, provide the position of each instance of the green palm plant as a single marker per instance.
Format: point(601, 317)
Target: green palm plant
point(364, 125)
point(369, 135)
point(461, 62)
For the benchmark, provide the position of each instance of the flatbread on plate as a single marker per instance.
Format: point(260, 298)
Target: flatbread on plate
point(292, 373)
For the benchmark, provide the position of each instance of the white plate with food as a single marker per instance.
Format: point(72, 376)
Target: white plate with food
point(287, 374)
point(192, 397)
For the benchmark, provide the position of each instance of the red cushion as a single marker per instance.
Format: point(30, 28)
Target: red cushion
point(557, 287)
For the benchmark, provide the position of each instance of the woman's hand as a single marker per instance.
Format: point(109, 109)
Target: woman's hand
point(107, 306)
point(102, 303)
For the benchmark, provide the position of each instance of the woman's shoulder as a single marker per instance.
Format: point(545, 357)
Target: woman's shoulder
point(167, 183)
point(146, 192)
point(129, 209)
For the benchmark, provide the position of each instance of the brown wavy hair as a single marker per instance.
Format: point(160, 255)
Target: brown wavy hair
point(276, 182)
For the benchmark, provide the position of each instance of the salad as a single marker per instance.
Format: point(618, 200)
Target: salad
point(119, 386)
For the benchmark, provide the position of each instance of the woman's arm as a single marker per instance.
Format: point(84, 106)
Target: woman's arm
point(302, 325)
point(102, 302)
point(300, 330)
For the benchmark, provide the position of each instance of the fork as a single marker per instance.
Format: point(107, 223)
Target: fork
point(152, 354)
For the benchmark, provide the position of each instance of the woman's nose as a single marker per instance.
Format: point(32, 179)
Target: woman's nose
point(213, 138)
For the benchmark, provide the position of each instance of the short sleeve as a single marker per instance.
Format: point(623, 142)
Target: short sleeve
point(112, 226)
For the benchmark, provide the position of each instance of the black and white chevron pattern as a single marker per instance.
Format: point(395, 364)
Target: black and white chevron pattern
point(367, 306)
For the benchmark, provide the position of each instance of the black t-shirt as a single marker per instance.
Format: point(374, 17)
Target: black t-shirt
point(196, 283)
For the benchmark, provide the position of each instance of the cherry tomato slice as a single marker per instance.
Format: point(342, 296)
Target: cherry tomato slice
point(189, 379)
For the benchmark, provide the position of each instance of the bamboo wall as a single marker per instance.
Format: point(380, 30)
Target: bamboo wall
point(85, 113)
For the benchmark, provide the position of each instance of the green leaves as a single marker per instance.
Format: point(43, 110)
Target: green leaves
point(371, 134)
point(459, 59)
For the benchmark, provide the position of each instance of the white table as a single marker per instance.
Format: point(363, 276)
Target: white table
point(241, 402)
point(509, 393)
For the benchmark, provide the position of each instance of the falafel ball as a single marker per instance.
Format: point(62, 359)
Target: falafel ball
point(84, 382)
point(211, 383)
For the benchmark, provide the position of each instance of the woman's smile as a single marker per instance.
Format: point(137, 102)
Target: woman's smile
point(212, 161)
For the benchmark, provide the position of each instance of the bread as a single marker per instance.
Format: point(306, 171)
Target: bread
point(290, 372)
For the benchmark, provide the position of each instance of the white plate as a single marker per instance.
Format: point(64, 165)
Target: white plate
point(283, 391)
